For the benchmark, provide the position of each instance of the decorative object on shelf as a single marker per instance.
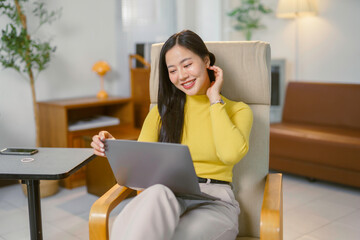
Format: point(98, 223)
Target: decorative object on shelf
point(248, 15)
point(101, 68)
point(295, 9)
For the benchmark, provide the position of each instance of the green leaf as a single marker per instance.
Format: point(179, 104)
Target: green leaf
point(239, 27)
point(18, 50)
point(248, 15)
point(234, 12)
point(242, 19)
point(264, 9)
point(250, 2)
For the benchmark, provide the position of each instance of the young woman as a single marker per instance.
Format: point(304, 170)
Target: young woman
point(190, 111)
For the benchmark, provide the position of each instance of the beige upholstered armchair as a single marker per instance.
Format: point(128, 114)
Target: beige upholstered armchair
point(246, 67)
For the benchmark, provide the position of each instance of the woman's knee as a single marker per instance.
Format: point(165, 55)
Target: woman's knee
point(159, 191)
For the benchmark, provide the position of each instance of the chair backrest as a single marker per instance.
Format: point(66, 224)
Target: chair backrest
point(246, 67)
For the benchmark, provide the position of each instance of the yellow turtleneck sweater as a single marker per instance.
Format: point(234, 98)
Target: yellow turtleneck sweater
point(217, 135)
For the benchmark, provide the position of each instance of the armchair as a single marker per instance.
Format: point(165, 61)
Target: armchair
point(246, 67)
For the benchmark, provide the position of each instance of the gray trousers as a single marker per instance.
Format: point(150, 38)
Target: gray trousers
point(157, 214)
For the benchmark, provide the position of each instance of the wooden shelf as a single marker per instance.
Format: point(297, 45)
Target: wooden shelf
point(55, 116)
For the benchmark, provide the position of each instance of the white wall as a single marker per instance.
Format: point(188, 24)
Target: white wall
point(155, 30)
point(201, 16)
point(84, 34)
point(329, 49)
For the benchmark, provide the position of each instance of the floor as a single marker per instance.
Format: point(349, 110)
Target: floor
point(312, 211)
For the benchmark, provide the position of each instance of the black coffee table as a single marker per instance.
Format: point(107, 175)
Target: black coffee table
point(47, 164)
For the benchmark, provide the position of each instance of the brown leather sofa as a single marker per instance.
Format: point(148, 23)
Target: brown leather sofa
point(319, 136)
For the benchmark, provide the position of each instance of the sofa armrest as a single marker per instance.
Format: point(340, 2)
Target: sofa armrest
point(100, 211)
point(271, 219)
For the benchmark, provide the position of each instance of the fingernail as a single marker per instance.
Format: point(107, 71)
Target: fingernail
point(101, 145)
point(103, 150)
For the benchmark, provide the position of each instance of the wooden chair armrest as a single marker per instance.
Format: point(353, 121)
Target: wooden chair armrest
point(140, 59)
point(100, 211)
point(271, 219)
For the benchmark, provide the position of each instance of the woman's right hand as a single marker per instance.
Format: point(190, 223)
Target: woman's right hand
point(98, 142)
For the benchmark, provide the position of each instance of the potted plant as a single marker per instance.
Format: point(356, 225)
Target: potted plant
point(20, 50)
point(248, 15)
point(19, 47)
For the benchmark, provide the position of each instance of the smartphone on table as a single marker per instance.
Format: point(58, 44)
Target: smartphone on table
point(18, 151)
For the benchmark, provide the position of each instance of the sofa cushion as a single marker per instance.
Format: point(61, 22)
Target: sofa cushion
point(333, 104)
point(332, 146)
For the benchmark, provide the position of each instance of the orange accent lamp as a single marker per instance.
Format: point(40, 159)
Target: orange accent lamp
point(101, 68)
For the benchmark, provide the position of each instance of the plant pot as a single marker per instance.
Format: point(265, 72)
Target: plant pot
point(47, 188)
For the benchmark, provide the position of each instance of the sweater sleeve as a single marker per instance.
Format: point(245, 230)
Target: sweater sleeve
point(231, 131)
point(149, 130)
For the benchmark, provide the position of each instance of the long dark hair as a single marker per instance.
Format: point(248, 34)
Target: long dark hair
point(171, 100)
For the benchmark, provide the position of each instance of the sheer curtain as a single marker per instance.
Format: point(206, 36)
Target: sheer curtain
point(139, 12)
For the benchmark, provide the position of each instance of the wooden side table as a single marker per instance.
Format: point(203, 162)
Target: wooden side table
point(55, 116)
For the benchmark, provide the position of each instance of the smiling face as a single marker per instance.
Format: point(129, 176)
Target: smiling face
point(187, 71)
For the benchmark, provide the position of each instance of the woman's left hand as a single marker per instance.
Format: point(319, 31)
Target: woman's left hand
point(213, 92)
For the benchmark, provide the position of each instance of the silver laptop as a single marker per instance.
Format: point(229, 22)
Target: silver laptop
point(143, 164)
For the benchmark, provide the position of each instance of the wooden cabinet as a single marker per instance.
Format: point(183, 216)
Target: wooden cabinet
point(55, 117)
